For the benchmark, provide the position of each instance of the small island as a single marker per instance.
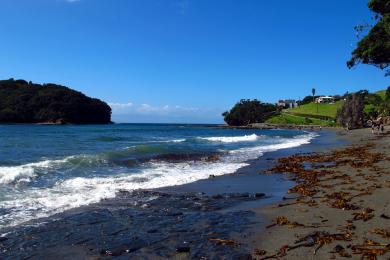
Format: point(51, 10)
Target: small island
point(26, 102)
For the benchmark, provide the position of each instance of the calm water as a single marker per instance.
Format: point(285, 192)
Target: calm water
point(48, 169)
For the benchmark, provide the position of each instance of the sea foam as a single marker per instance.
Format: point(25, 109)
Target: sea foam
point(78, 191)
point(232, 139)
point(12, 174)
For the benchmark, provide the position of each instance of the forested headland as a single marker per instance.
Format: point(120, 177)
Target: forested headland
point(26, 102)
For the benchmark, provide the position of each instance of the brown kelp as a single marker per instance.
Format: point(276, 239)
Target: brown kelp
point(319, 181)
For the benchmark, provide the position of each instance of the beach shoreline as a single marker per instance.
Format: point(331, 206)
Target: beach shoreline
point(342, 214)
point(228, 197)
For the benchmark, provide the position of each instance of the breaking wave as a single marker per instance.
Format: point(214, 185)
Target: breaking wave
point(232, 139)
point(11, 174)
point(74, 191)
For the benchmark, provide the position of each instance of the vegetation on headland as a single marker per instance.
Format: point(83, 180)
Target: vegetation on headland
point(252, 111)
point(248, 112)
point(26, 102)
point(354, 111)
point(351, 110)
point(362, 107)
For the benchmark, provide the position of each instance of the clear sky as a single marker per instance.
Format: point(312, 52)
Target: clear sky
point(185, 60)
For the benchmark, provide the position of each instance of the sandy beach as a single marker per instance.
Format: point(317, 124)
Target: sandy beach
point(339, 207)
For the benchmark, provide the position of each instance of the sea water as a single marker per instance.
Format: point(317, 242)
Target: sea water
point(47, 169)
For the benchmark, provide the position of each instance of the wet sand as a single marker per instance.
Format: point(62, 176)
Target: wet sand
point(341, 212)
point(221, 217)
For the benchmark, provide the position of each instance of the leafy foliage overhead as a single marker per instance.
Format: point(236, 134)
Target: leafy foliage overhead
point(248, 112)
point(25, 102)
point(374, 48)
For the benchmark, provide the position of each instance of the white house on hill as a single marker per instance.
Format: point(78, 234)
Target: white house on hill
point(325, 99)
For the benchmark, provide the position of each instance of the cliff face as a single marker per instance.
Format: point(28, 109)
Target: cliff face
point(25, 102)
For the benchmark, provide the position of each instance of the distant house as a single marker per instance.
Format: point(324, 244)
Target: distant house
point(288, 103)
point(324, 99)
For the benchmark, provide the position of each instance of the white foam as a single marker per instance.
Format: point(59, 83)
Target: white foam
point(232, 139)
point(257, 151)
point(172, 141)
point(66, 194)
point(76, 192)
point(178, 140)
point(25, 172)
point(165, 141)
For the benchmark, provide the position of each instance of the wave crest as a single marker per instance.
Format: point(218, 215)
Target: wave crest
point(232, 139)
point(81, 190)
point(25, 172)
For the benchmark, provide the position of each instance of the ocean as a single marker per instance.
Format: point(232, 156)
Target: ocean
point(47, 169)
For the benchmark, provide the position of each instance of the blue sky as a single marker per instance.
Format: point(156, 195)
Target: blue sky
point(185, 60)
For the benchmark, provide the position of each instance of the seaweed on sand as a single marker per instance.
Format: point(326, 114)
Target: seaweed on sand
point(312, 188)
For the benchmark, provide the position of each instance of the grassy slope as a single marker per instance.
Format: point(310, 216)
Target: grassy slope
point(381, 93)
point(307, 115)
point(285, 118)
point(327, 110)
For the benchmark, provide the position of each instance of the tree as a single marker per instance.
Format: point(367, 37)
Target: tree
point(374, 48)
point(313, 92)
point(307, 100)
point(351, 113)
point(384, 107)
point(248, 111)
point(373, 105)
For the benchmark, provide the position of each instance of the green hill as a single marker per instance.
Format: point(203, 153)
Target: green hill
point(381, 93)
point(308, 114)
point(319, 111)
point(288, 119)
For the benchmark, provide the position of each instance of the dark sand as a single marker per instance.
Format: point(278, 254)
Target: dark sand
point(352, 223)
point(222, 217)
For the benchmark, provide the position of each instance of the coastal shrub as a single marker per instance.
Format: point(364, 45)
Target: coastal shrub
point(371, 111)
point(387, 95)
point(248, 112)
point(308, 120)
point(25, 102)
point(306, 100)
point(351, 113)
point(385, 106)
point(363, 106)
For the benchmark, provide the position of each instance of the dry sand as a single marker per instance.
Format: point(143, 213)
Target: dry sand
point(333, 205)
